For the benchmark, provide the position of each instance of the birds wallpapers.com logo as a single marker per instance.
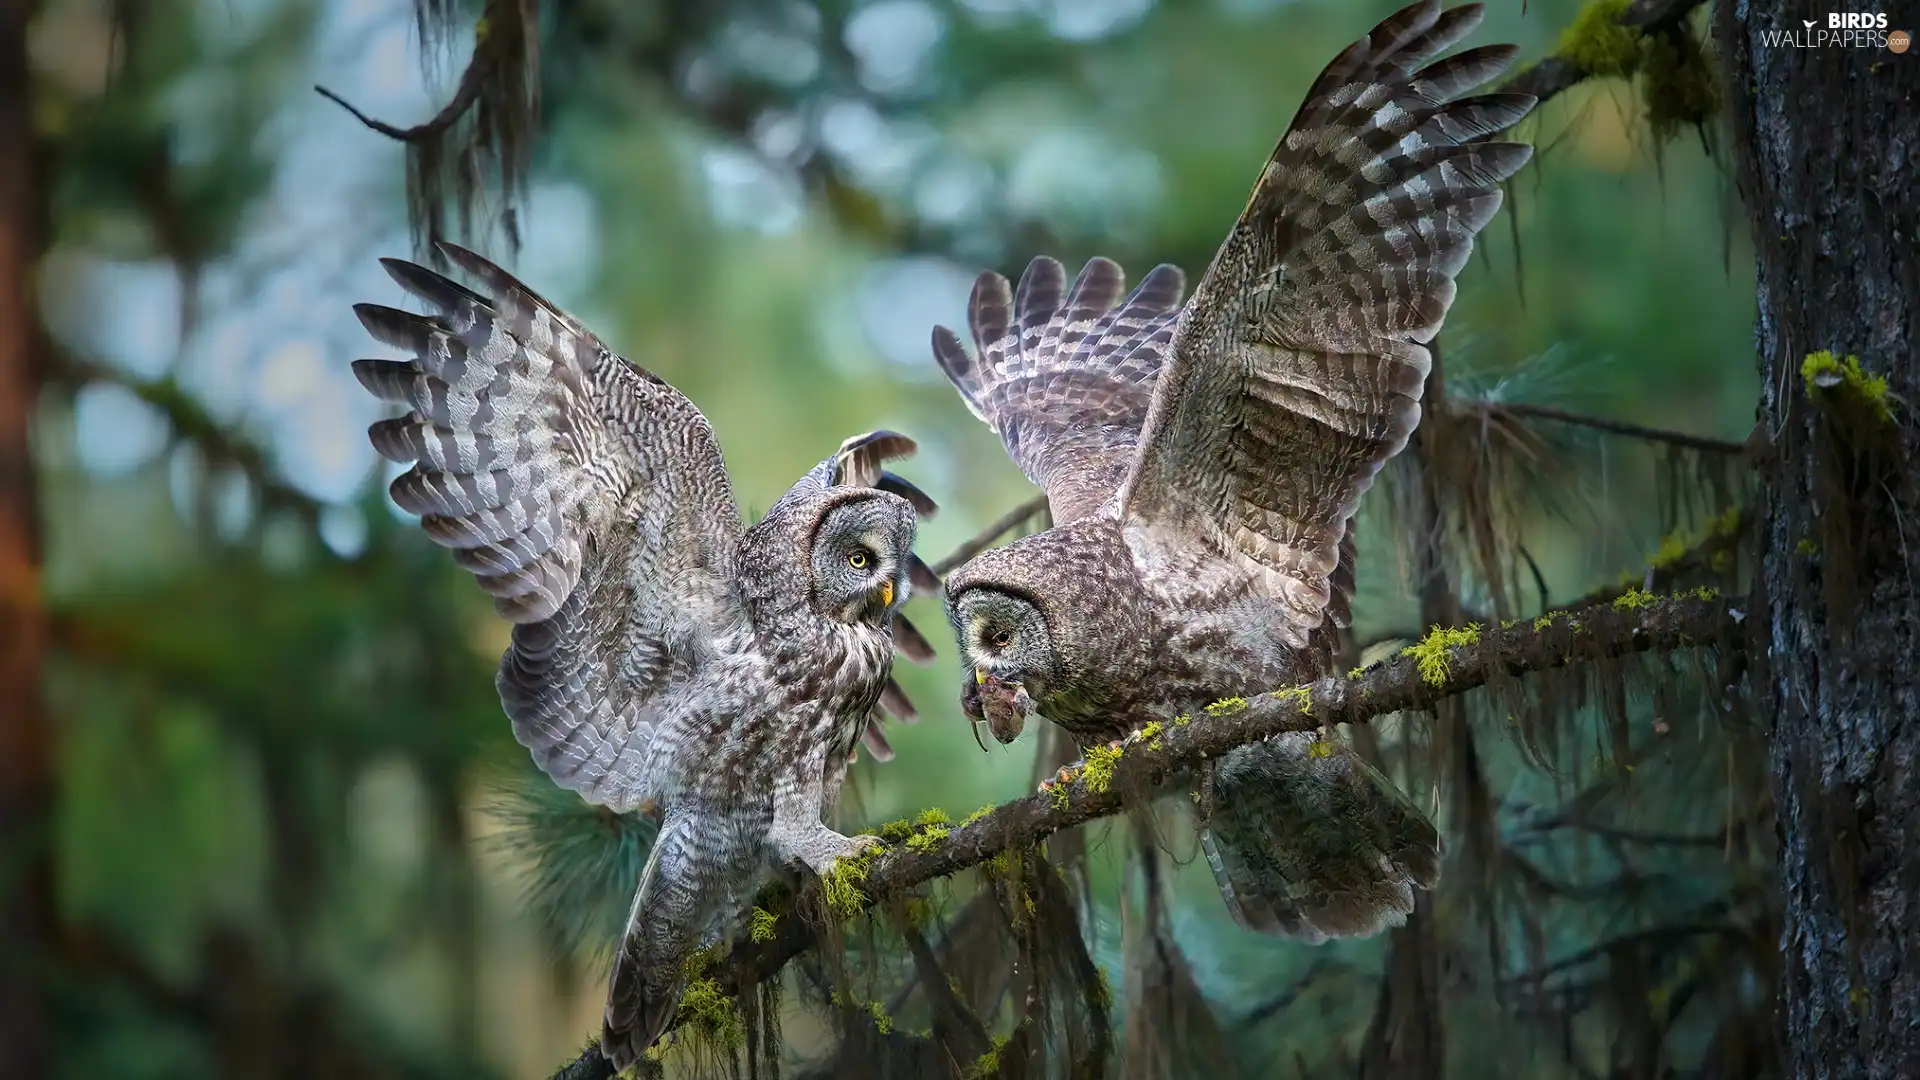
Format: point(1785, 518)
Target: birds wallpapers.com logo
point(1841, 29)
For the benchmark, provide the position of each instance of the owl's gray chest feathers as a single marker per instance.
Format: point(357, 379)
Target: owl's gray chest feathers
point(831, 684)
point(1203, 632)
point(765, 709)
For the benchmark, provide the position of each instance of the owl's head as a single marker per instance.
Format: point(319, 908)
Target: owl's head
point(862, 545)
point(1007, 653)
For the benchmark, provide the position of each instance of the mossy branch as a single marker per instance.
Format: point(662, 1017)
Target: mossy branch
point(1414, 681)
point(1681, 554)
point(1557, 74)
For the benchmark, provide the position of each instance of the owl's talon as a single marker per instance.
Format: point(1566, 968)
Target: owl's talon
point(1064, 776)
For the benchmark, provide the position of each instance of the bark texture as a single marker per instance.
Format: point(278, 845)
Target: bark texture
point(26, 904)
point(1828, 143)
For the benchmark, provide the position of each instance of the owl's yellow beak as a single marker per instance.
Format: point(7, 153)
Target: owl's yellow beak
point(886, 594)
point(979, 676)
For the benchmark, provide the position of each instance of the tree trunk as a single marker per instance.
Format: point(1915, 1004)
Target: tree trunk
point(26, 893)
point(1828, 141)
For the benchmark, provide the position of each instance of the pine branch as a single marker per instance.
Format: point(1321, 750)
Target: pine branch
point(1412, 682)
point(1722, 536)
point(590, 1064)
point(442, 122)
point(1417, 680)
point(1008, 522)
point(1615, 427)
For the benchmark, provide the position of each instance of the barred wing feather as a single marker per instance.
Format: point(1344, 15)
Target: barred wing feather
point(587, 496)
point(1298, 365)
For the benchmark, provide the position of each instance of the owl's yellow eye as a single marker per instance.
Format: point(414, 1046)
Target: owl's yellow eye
point(859, 560)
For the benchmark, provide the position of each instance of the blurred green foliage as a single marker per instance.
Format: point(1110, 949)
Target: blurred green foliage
point(279, 753)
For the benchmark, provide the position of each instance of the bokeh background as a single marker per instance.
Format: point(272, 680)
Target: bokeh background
point(279, 744)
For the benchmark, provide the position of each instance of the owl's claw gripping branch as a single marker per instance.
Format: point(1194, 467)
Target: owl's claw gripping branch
point(1064, 776)
point(1076, 766)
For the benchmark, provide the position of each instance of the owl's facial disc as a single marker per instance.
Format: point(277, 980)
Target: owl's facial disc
point(860, 560)
point(1008, 653)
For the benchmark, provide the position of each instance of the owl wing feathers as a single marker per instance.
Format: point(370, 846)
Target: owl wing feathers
point(584, 493)
point(1298, 365)
point(1065, 376)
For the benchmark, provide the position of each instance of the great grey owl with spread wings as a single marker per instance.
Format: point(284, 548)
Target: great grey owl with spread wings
point(1203, 461)
point(665, 656)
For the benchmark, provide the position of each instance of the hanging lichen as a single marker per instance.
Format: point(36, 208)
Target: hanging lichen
point(1098, 774)
point(711, 1013)
point(762, 925)
point(1678, 81)
point(1596, 43)
point(479, 147)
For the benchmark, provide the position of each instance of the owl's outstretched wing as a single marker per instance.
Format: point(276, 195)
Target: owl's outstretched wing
point(1065, 377)
point(1298, 365)
point(587, 496)
point(1068, 394)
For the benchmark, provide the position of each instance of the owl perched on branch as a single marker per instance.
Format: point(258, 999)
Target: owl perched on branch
point(1203, 463)
point(664, 656)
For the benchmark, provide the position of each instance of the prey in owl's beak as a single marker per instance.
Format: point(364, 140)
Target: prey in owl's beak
point(1003, 705)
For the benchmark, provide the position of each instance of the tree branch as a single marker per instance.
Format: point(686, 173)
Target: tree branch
point(481, 66)
point(442, 121)
point(191, 422)
point(1615, 427)
point(1400, 685)
point(1411, 682)
point(1008, 522)
point(1553, 76)
point(449, 158)
point(1722, 536)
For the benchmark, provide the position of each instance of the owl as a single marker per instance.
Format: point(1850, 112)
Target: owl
point(664, 656)
point(1203, 462)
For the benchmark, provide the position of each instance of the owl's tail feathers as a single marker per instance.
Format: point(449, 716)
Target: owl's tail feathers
point(497, 431)
point(649, 970)
point(638, 1010)
point(1308, 841)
